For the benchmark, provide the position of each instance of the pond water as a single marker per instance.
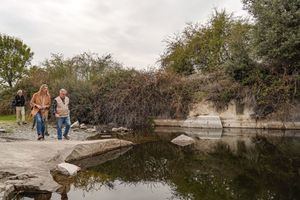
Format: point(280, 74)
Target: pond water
point(222, 164)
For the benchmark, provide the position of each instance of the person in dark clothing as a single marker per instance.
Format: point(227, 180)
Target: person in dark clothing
point(20, 107)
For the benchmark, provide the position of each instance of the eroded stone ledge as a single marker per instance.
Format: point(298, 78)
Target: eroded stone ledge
point(26, 165)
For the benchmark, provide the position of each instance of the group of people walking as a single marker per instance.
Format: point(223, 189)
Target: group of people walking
point(40, 106)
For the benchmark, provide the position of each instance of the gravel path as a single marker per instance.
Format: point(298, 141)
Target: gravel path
point(24, 132)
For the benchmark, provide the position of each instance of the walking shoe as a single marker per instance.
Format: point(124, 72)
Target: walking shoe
point(46, 133)
point(66, 137)
point(40, 137)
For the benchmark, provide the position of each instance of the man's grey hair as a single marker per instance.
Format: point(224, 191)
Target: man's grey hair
point(63, 90)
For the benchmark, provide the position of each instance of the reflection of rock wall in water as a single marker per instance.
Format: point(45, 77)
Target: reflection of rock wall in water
point(207, 139)
point(208, 145)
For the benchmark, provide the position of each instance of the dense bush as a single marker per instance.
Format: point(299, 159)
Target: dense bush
point(207, 48)
point(107, 93)
point(258, 61)
point(132, 98)
point(220, 50)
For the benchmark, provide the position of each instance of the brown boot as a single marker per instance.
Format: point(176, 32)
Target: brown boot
point(40, 137)
point(66, 137)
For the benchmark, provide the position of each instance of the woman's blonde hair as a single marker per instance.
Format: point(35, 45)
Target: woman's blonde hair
point(42, 87)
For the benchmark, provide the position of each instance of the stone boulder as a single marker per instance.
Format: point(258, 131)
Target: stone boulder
point(82, 126)
point(92, 148)
point(91, 130)
point(75, 125)
point(120, 129)
point(102, 158)
point(183, 140)
point(26, 165)
point(67, 169)
point(6, 190)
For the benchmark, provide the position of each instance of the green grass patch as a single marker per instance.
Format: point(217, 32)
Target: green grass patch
point(7, 117)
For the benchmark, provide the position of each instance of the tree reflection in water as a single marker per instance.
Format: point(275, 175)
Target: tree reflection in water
point(267, 169)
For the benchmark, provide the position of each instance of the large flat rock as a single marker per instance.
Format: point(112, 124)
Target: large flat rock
point(26, 165)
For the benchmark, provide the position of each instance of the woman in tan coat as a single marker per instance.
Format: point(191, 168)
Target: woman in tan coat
point(40, 103)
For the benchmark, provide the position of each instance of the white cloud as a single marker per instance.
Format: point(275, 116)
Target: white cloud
point(132, 30)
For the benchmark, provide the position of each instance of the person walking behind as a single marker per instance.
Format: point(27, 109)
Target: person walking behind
point(62, 114)
point(40, 103)
point(20, 107)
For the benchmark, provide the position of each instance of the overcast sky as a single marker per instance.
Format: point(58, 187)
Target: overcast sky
point(131, 30)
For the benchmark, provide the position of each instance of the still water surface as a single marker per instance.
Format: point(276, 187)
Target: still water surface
point(226, 164)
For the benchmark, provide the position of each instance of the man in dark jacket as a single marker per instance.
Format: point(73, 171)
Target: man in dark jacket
point(20, 107)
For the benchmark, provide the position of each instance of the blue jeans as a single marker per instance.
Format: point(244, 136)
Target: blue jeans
point(40, 124)
point(60, 121)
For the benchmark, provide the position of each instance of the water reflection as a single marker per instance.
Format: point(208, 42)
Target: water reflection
point(244, 167)
point(41, 196)
point(193, 132)
point(235, 165)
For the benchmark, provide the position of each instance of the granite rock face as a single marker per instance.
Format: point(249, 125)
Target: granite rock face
point(205, 115)
point(203, 122)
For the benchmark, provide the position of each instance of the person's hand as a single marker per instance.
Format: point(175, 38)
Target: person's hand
point(56, 115)
point(38, 106)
